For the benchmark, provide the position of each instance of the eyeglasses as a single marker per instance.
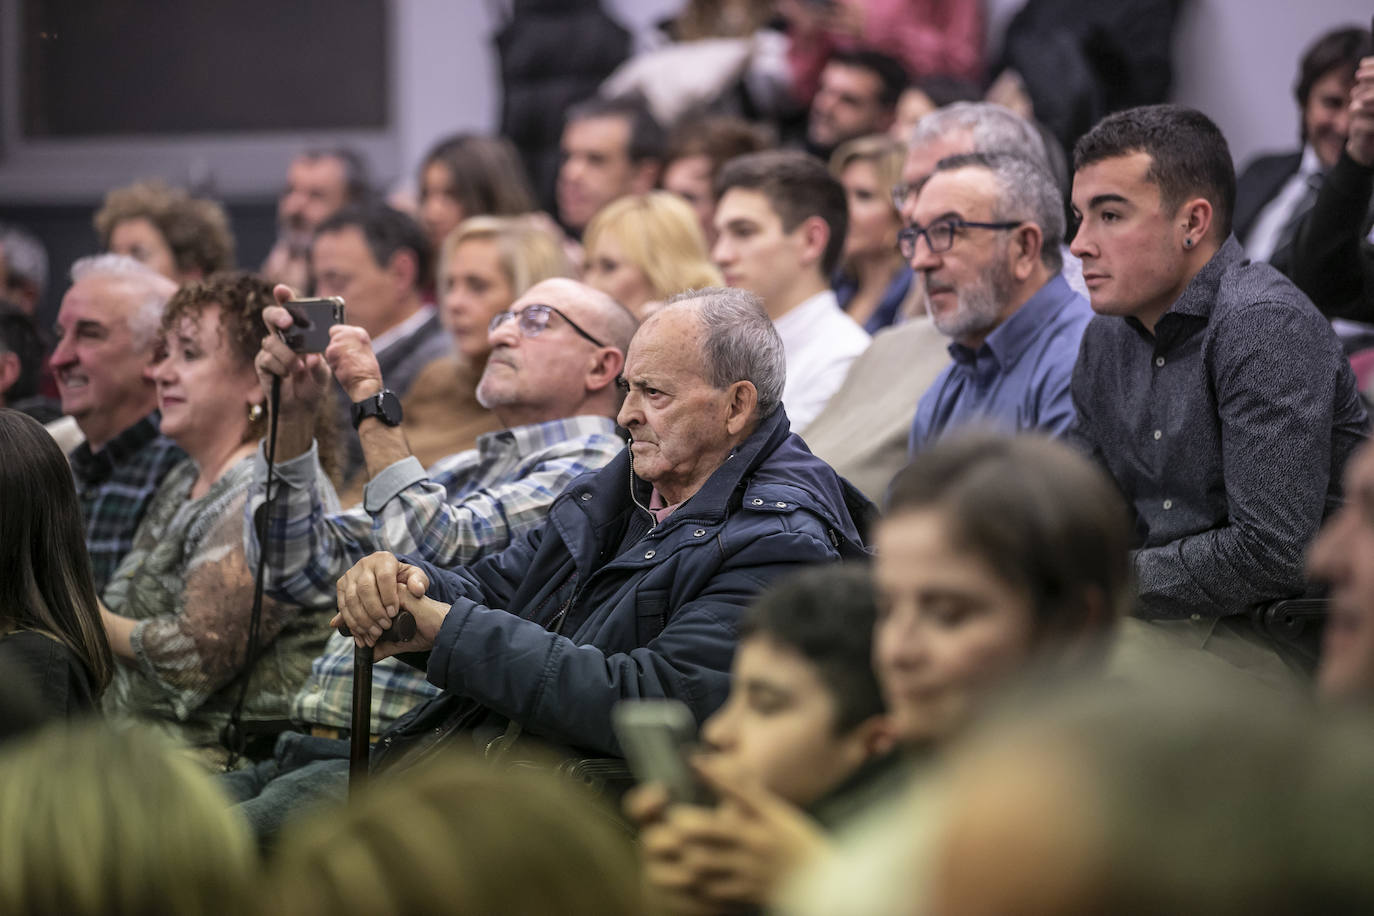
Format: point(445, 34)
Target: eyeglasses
point(533, 319)
point(901, 193)
point(940, 234)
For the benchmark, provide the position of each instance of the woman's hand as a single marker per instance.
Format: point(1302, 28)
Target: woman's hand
point(739, 853)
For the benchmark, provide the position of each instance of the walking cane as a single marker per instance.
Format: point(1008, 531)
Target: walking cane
point(360, 730)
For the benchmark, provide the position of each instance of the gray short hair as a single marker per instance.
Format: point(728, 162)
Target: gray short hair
point(25, 257)
point(995, 129)
point(1025, 191)
point(151, 291)
point(739, 342)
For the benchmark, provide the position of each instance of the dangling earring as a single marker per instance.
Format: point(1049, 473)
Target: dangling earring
point(255, 412)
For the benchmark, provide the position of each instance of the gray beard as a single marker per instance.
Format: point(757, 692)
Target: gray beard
point(979, 308)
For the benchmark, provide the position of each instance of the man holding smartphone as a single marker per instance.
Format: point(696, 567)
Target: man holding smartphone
point(554, 391)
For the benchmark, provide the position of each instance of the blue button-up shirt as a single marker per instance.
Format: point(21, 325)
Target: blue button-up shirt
point(1018, 379)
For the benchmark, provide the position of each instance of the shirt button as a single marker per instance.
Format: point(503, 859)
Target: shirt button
point(1168, 504)
point(699, 533)
point(758, 502)
point(649, 554)
point(1159, 361)
point(1159, 434)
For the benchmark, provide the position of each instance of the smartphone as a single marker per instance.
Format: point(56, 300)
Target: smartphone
point(312, 320)
point(658, 737)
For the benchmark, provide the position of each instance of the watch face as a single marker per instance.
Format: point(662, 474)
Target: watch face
point(384, 405)
point(390, 408)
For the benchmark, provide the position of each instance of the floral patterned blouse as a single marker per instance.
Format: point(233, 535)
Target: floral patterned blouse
point(187, 584)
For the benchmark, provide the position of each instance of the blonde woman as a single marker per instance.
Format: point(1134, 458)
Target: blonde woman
point(644, 248)
point(874, 283)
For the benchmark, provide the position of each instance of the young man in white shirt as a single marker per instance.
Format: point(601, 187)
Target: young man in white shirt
point(780, 222)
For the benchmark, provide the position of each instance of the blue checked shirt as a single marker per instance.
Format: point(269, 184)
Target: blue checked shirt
point(115, 486)
point(467, 505)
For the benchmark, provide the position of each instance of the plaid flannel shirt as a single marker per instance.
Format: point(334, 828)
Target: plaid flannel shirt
point(466, 505)
point(115, 486)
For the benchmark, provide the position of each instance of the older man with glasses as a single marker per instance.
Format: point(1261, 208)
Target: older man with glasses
point(985, 243)
point(550, 380)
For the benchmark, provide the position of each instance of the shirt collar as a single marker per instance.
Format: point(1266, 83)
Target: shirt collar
point(799, 317)
point(1309, 165)
point(532, 437)
point(1014, 336)
point(1201, 292)
point(93, 467)
point(402, 330)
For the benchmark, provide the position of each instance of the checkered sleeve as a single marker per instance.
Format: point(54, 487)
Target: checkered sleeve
point(421, 519)
point(311, 543)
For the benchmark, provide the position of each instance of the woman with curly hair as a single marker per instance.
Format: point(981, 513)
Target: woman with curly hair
point(179, 604)
point(182, 237)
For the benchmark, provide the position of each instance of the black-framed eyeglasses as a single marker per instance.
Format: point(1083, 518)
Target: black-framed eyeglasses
point(941, 233)
point(533, 319)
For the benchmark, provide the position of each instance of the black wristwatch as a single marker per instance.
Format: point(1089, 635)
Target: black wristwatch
point(384, 405)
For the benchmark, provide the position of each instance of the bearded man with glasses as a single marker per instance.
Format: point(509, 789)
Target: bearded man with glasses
point(984, 243)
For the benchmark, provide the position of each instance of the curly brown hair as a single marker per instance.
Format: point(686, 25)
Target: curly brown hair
point(196, 230)
point(241, 297)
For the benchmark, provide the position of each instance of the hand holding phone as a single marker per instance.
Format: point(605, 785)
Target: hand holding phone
point(658, 737)
point(312, 319)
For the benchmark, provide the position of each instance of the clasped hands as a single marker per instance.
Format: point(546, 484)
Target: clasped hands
point(374, 591)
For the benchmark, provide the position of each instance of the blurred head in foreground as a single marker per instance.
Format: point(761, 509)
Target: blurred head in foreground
point(1177, 801)
point(104, 823)
point(996, 555)
point(459, 836)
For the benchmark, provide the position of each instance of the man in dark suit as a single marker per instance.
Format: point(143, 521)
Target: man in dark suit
point(1274, 192)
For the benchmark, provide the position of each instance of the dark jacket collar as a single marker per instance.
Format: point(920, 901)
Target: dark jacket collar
point(773, 458)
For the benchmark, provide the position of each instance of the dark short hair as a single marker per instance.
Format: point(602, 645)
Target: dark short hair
point(1188, 154)
point(826, 615)
point(797, 187)
point(387, 231)
point(1339, 49)
point(1046, 520)
point(889, 71)
point(719, 138)
point(486, 174)
point(647, 138)
point(357, 183)
point(19, 335)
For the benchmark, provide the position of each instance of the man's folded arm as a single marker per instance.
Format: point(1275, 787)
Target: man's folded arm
point(564, 692)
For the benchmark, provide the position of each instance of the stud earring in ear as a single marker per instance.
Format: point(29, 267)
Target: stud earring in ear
point(1187, 243)
point(255, 412)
